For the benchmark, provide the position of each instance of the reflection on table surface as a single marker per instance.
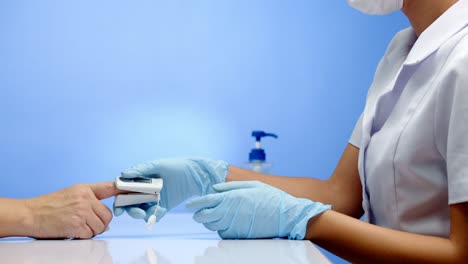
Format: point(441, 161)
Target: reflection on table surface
point(152, 251)
point(132, 244)
point(55, 251)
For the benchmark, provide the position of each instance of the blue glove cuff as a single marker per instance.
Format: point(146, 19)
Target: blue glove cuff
point(208, 173)
point(299, 230)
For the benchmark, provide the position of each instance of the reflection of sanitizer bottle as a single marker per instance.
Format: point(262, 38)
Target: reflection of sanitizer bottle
point(257, 157)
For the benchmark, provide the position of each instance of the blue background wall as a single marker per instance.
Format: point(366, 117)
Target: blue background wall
point(88, 88)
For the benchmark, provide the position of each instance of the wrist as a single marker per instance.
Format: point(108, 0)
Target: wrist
point(223, 171)
point(316, 225)
point(206, 173)
point(26, 218)
point(312, 211)
point(239, 174)
point(16, 218)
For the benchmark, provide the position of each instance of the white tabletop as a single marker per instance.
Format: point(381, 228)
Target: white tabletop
point(176, 239)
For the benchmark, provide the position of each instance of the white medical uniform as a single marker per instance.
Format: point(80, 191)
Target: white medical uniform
point(413, 133)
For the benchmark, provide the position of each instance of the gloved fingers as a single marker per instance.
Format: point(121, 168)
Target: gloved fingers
point(118, 211)
point(227, 234)
point(206, 201)
point(209, 215)
point(220, 225)
point(159, 214)
point(238, 233)
point(143, 169)
point(135, 212)
point(146, 206)
point(234, 185)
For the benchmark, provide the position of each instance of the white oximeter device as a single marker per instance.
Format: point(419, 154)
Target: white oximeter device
point(143, 190)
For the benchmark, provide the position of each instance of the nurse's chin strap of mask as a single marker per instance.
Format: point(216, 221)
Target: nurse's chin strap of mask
point(376, 7)
point(152, 219)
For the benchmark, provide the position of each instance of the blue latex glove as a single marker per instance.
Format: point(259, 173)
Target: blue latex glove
point(251, 209)
point(182, 178)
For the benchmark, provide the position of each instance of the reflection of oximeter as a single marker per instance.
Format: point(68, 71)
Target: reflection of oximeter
point(143, 190)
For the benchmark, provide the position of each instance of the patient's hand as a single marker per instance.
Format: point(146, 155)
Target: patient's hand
point(74, 212)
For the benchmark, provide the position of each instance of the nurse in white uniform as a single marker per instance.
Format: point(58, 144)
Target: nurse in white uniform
point(405, 169)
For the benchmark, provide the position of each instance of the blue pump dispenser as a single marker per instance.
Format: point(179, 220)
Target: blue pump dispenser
point(257, 156)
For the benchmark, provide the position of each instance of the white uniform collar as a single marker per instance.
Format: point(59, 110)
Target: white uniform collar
point(446, 26)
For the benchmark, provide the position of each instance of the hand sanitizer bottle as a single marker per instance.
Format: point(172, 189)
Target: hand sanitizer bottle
point(257, 156)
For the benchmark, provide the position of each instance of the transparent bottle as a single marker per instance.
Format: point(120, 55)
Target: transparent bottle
point(257, 156)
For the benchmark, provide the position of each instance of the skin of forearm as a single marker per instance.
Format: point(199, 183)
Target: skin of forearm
point(301, 187)
point(342, 190)
point(313, 189)
point(15, 217)
point(361, 242)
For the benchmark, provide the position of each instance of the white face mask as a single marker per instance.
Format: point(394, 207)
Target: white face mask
point(376, 7)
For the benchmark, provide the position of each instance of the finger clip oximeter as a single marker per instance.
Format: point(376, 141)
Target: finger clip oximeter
point(143, 190)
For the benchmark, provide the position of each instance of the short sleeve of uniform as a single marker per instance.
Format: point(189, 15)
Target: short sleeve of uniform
point(452, 122)
point(355, 139)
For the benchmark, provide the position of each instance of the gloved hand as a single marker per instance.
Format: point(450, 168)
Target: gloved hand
point(251, 209)
point(182, 178)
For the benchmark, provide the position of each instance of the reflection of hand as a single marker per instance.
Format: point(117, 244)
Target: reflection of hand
point(257, 251)
point(74, 212)
point(69, 251)
point(254, 210)
point(182, 178)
